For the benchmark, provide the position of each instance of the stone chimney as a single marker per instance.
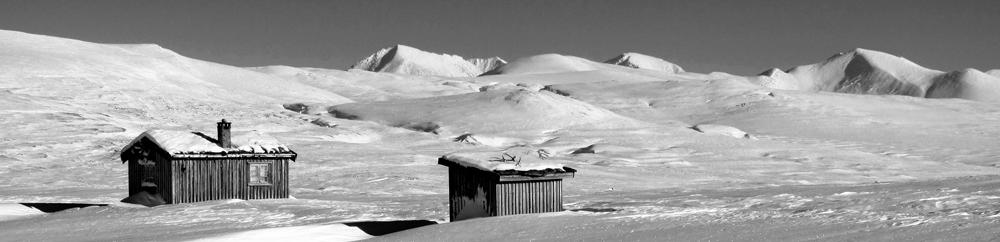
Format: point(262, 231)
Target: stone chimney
point(225, 140)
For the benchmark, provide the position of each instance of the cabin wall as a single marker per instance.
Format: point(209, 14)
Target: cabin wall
point(149, 153)
point(533, 196)
point(198, 180)
point(471, 193)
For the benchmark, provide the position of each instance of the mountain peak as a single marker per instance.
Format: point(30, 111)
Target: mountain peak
point(641, 61)
point(404, 59)
point(865, 71)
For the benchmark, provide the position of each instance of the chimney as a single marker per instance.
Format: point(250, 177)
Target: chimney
point(225, 140)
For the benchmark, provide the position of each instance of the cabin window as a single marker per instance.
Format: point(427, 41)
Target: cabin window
point(260, 174)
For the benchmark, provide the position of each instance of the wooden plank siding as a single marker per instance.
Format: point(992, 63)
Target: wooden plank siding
point(476, 193)
point(538, 196)
point(203, 179)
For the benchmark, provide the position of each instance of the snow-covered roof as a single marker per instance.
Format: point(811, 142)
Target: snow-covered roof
point(493, 162)
point(187, 142)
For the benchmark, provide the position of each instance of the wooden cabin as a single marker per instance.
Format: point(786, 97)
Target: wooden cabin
point(184, 166)
point(484, 185)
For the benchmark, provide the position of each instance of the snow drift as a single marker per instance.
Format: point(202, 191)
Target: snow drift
point(718, 129)
point(640, 61)
point(404, 59)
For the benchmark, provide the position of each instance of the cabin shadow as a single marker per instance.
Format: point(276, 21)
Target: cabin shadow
point(379, 228)
point(56, 207)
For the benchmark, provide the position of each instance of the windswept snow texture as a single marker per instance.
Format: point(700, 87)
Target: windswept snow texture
point(640, 61)
point(403, 59)
point(864, 71)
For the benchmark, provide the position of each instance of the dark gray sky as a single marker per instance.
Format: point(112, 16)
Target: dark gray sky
point(740, 36)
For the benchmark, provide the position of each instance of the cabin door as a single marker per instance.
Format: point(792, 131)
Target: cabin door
point(147, 169)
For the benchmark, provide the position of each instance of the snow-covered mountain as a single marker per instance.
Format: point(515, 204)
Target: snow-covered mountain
point(641, 61)
point(404, 59)
point(777, 79)
point(967, 84)
point(109, 75)
point(487, 64)
point(994, 72)
point(545, 63)
point(863, 71)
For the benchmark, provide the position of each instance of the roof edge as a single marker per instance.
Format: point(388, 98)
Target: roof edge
point(514, 175)
point(291, 155)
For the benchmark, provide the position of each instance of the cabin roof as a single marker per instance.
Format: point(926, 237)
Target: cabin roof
point(195, 143)
point(529, 165)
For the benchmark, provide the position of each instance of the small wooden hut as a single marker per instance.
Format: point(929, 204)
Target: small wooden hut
point(182, 166)
point(484, 185)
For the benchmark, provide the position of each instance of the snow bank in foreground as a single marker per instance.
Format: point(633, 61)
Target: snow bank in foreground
point(325, 232)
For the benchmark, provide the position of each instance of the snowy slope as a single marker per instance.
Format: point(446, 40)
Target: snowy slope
point(404, 59)
point(364, 86)
point(641, 61)
point(489, 111)
point(545, 63)
point(49, 60)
